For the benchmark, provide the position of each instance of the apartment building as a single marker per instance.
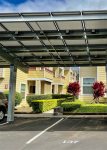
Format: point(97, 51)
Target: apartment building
point(87, 76)
point(39, 80)
point(49, 80)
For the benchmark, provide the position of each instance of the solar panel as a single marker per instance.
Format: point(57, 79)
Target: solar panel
point(75, 42)
point(31, 42)
point(9, 43)
point(53, 42)
point(54, 39)
point(47, 25)
point(98, 41)
point(69, 25)
point(96, 24)
point(16, 26)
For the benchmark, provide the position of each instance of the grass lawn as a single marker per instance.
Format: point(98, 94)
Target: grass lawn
point(92, 108)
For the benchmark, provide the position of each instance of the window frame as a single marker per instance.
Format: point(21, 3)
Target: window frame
point(23, 91)
point(87, 85)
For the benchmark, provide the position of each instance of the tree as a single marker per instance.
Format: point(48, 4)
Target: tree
point(74, 89)
point(98, 90)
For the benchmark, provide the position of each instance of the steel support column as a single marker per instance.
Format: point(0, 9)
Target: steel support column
point(12, 89)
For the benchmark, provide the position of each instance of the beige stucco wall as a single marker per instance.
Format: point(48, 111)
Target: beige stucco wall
point(68, 78)
point(21, 78)
point(4, 82)
point(47, 88)
point(101, 74)
point(42, 87)
point(86, 72)
point(60, 89)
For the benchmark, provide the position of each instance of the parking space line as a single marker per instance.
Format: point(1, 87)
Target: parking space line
point(35, 137)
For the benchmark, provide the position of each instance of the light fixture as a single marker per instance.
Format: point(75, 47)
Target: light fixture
point(67, 31)
point(16, 32)
point(93, 31)
point(41, 32)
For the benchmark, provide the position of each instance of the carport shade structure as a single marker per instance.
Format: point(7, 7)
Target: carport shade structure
point(52, 39)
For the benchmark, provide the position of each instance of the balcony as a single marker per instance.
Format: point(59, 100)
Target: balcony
point(43, 73)
point(59, 80)
point(1, 73)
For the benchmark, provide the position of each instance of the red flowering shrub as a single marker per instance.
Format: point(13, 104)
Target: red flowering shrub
point(74, 89)
point(98, 90)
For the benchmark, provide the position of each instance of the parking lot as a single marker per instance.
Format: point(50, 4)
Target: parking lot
point(54, 134)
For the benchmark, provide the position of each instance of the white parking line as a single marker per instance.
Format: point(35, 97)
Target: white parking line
point(35, 137)
point(69, 142)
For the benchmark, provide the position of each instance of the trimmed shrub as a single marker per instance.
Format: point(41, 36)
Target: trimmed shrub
point(92, 108)
point(57, 96)
point(71, 106)
point(60, 101)
point(18, 97)
point(45, 105)
point(29, 98)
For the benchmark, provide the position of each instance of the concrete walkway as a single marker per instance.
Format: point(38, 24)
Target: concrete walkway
point(23, 109)
point(27, 112)
point(48, 115)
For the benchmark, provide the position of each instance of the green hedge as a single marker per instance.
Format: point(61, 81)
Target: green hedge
point(57, 96)
point(93, 108)
point(18, 97)
point(29, 98)
point(45, 105)
point(71, 106)
point(82, 107)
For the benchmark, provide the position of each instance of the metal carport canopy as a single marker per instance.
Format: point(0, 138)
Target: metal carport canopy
point(53, 39)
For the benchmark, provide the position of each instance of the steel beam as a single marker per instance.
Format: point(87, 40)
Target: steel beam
point(57, 47)
point(70, 65)
point(6, 56)
point(58, 17)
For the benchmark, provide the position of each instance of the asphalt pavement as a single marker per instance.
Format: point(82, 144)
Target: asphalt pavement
point(52, 133)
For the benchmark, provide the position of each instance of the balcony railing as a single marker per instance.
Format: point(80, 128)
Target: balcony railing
point(45, 73)
point(59, 79)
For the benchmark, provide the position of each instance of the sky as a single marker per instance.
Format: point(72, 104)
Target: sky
point(51, 5)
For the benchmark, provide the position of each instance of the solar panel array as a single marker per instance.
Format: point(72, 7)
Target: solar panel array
point(54, 39)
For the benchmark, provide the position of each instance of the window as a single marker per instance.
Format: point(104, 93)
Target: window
point(87, 85)
point(23, 88)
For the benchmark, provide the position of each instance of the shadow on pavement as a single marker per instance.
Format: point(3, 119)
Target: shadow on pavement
point(70, 124)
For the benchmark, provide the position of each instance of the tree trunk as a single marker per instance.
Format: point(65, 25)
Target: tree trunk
point(73, 98)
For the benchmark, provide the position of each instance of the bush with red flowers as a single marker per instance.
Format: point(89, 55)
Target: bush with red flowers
point(98, 90)
point(74, 89)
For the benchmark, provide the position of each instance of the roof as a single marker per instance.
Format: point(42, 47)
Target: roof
point(52, 39)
